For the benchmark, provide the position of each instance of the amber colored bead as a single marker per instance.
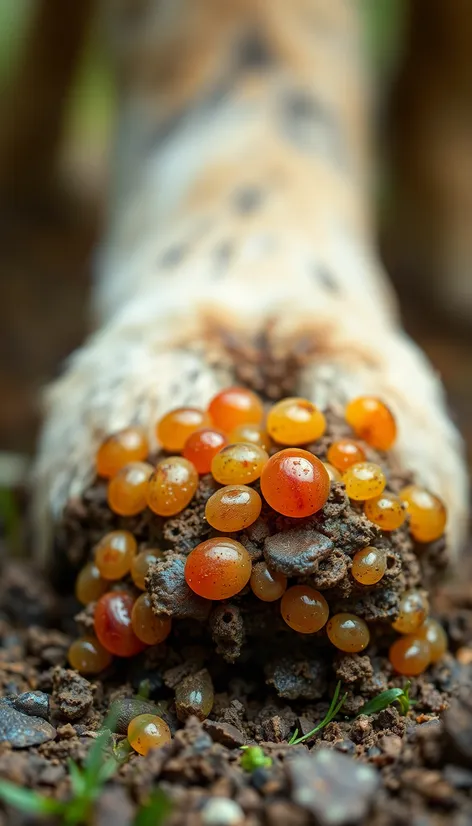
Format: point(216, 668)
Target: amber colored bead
point(345, 452)
point(386, 511)
point(148, 626)
point(348, 632)
point(113, 624)
point(372, 421)
point(128, 445)
point(428, 515)
point(140, 565)
point(333, 473)
point(414, 608)
point(148, 731)
point(127, 490)
point(294, 421)
point(89, 585)
point(88, 656)
point(304, 609)
point(172, 486)
point(114, 554)
point(202, 446)
point(238, 464)
point(435, 636)
point(369, 565)
point(235, 406)
point(295, 483)
point(267, 585)
point(255, 434)
point(364, 481)
point(176, 426)
point(218, 568)
point(194, 695)
point(233, 508)
point(410, 655)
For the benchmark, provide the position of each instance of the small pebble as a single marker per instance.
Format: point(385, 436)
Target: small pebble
point(220, 811)
point(34, 703)
point(23, 730)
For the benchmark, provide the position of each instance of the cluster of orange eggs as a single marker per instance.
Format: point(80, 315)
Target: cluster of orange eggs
point(234, 442)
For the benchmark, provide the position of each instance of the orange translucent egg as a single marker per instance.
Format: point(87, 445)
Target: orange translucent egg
point(235, 406)
point(267, 585)
point(414, 608)
point(238, 464)
point(369, 565)
point(304, 609)
point(386, 511)
point(148, 626)
point(87, 656)
point(345, 452)
point(333, 473)
point(172, 486)
point(89, 585)
point(348, 632)
point(427, 513)
point(127, 490)
point(175, 427)
point(410, 655)
point(372, 421)
point(295, 421)
point(202, 446)
point(140, 565)
point(434, 634)
point(218, 568)
point(233, 508)
point(147, 731)
point(128, 445)
point(256, 434)
point(364, 481)
point(295, 483)
point(114, 554)
point(113, 624)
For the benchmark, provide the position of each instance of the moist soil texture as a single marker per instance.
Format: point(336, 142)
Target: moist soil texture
point(382, 768)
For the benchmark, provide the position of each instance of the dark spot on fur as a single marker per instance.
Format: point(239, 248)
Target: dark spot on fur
point(326, 278)
point(311, 125)
point(172, 256)
point(222, 256)
point(248, 199)
point(253, 52)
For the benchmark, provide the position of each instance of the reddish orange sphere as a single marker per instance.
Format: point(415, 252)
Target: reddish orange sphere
point(89, 585)
point(218, 568)
point(267, 585)
point(255, 434)
point(435, 636)
point(295, 421)
point(128, 445)
point(295, 483)
point(202, 446)
point(304, 609)
point(345, 452)
point(233, 508)
point(148, 731)
point(175, 427)
point(113, 624)
point(172, 486)
point(410, 655)
point(372, 421)
point(348, 632)
point(140, 565)
point(235, 406)
point(87, 656)
point(386, 511)
point(148, 626)
point(114, 554)
point(427, 513)
point(238, 464)
point(127, 490)
point(369, 565)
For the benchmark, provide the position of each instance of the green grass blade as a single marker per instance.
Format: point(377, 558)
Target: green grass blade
point(28, 801)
